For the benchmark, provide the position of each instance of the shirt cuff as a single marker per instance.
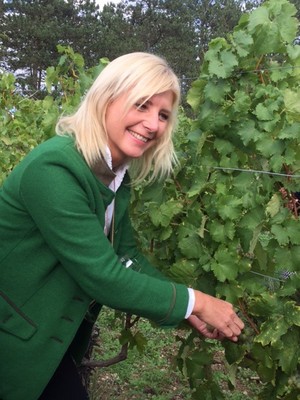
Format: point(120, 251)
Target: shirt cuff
point(191, 303)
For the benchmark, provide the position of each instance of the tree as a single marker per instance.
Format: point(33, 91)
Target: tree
point(177, 30)
point(180, 31)
point(217, 18)
point(31, 29)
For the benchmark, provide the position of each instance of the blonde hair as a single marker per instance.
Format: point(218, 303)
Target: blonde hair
point(141, 75)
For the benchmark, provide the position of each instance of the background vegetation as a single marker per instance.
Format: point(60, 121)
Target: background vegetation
point(227, 221)
point(179, 30)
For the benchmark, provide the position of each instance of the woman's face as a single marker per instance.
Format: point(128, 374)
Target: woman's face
point(130, 134)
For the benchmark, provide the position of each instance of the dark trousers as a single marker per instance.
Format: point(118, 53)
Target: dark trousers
point(65, 384)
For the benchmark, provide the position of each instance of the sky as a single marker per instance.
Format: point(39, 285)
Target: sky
point(102, 2)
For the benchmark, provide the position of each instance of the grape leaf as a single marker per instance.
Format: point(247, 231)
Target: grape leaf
point(287, 352)
point(223, 265)
point(242, 42)
point(272, 330)
point(292, 103)
point(273, 205)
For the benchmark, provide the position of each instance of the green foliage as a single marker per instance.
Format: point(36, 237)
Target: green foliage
point(31, 30)
point(237, 233)
point(25, 121)
point(226, 222)
point(178, 30)
point(147, 375)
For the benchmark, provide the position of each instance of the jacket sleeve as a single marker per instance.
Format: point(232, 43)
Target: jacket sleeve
point(56, 194)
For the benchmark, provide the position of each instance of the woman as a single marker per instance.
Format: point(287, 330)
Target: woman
point(64, 226)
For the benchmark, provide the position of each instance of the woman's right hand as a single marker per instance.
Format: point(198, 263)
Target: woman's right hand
point(219, 314)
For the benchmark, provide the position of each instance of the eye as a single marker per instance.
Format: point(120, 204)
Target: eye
point(141, 106)
point(164, 116)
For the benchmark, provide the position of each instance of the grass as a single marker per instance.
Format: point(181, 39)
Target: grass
point(152, 374)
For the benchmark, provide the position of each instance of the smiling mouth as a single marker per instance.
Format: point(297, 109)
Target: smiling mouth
point(138, 136)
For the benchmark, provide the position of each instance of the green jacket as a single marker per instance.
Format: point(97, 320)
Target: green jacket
point(55, 260)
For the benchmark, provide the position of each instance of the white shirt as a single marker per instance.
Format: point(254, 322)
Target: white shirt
point(114, 186)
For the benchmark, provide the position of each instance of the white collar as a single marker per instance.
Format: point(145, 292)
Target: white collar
point(120, 172)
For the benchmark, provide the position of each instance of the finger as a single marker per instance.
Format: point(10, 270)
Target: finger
point(235, 330)
point(227, 332)
point(209, 335)
point(218, 335)
point(238, 322)
point(231, 330)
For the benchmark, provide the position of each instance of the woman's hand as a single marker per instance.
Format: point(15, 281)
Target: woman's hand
point(218, 314)
point(204, 329)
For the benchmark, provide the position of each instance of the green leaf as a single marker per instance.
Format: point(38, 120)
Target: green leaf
point(194, 94)
point(223, 265)
point(224, 147)
point(292, 313)
point(165, 233)
point(283, 258)
point(231, 293)
point(254, 239)
point(266, 374)
point(6, 140)
point(242, 102)
point(280, 233)
point(263, 113)
point(140, 342)
point(242, 41)
point(212, 118)
point(163, 214)
point(273, 206)
point(288, 352)
point(233, 352)
point(201, 357)
point(269, 147)
point(272, 26)
point(126, 336)
point(229, 207)
point(265, 305)
point(258, 17)
point(293, 51)
point(184, 271)
point(248, 132)
point(222, 66)
point(199, 182)
point(220, 232)
point(290, 131)
point(272, 330)
point(216, 91)
point(287, 25)
point(292, 104)
point(264, 31)
point(293, 230)
point(190, 246)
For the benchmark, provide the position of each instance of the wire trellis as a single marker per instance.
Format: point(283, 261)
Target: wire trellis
point(254, 171)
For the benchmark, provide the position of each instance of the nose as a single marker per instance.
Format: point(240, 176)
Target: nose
point(151, 122)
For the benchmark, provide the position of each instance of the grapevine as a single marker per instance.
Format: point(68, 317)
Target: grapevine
point(227, 222)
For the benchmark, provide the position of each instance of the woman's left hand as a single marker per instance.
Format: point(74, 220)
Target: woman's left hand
point(203, 328)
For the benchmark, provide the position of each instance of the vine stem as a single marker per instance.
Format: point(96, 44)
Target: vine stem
point(259, 70)
point(245, 314)
point(121, 356)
